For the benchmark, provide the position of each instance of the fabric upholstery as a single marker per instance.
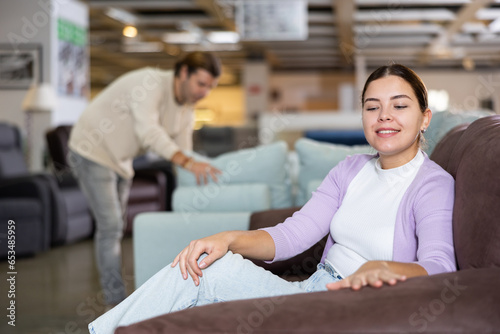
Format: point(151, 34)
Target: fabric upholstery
point(147, 192)
point(160, 236)
point(222, 198)
point(466, 301)
point(443, 150)
point(475, 164)
point(442, 303)
point(443, 122)
point(25, 198)
point(11, 156)
point(57, 145)
point(213, 141)
point(265, 164)
point(317, 159)
point(298, 267)
point(27, 215)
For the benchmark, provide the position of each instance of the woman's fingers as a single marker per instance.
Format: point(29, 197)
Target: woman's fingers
point(194, 275)
point(375, 279)
point(214, 246)
point(175, 261)
point(358, 281)
point(339, 285)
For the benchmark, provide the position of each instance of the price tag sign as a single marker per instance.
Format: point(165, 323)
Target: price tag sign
point(271, 20)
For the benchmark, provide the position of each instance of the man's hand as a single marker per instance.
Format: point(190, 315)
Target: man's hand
point(202, 170)
point(372, 273)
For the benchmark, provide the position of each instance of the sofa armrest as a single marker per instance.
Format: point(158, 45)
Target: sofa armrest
point(44, 188)
point(466, 301)
point(160, 236)
point(298, 267)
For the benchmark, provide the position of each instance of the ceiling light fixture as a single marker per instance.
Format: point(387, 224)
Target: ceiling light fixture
point(468, 64)
point(121, 15)
point(223, 37)
point(130, 31)
point(494, 26)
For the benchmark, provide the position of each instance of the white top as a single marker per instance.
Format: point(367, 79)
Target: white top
point(134, 114)
point(363, 227)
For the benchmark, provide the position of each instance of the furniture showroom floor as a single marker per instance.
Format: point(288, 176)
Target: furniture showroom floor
point(57, 291)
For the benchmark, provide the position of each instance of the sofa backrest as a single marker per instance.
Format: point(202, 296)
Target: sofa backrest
point(57, 144)
point(442, 152)
point(443, 122)
point(264, 165)
point(11, 155)
point(472, 156)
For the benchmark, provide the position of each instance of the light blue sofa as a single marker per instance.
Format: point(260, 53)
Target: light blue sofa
point(254, 179)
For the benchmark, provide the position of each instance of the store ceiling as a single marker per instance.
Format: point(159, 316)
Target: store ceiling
point(341, 34)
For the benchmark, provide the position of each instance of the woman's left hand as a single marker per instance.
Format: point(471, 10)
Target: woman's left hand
point(372, 273)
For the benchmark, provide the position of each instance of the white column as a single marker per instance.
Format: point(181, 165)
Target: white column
point(361, 75)
point(256, 88)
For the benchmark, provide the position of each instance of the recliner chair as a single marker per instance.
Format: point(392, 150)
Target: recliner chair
point(149, 186)
point(35, 203)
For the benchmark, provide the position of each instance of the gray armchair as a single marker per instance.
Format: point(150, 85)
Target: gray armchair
point(24, 199)
point(46, 212)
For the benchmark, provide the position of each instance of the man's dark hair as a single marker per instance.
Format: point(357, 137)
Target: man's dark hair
point(196, 60)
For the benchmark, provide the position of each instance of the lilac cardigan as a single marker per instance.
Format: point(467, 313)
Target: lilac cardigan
point(423, 232)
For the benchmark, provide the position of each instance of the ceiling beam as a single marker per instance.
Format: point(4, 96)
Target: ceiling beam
point(440, 44)
point(218, 13)
point(344, 15)
point(117, 58)
point(144, 4)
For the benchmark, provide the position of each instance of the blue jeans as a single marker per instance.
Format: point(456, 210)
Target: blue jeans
point(107, 195)
point(229, 278)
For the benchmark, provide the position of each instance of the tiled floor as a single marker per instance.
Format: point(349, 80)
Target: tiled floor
point(57, 291)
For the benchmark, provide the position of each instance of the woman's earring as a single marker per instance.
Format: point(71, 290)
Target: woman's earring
point(423, 130)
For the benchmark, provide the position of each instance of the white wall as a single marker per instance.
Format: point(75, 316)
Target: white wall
point(35, 22)
point(16, 25)
point(308, 90)
point(465, 89)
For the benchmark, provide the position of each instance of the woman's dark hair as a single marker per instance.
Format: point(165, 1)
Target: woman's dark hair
point(195, 60)
point(404, 73)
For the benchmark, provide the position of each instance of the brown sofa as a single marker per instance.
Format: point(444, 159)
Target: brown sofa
point(466, 301)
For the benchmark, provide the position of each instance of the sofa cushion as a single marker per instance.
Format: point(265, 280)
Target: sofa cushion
point(265, 164)
point(442, 122)
point(160, 236)
point(317, 159)
point(466, 301)
point(220, 198)
point(475, 163)
point(442, 152)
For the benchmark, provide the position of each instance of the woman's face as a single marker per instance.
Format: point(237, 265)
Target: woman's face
point(392, 120)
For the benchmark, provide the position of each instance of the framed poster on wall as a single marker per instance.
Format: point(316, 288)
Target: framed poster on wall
point(20, 67)
point(73, 71)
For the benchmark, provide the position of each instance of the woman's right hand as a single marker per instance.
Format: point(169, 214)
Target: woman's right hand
point(216, 246)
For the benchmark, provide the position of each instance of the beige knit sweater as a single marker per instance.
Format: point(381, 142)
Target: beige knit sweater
point(134, 114)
